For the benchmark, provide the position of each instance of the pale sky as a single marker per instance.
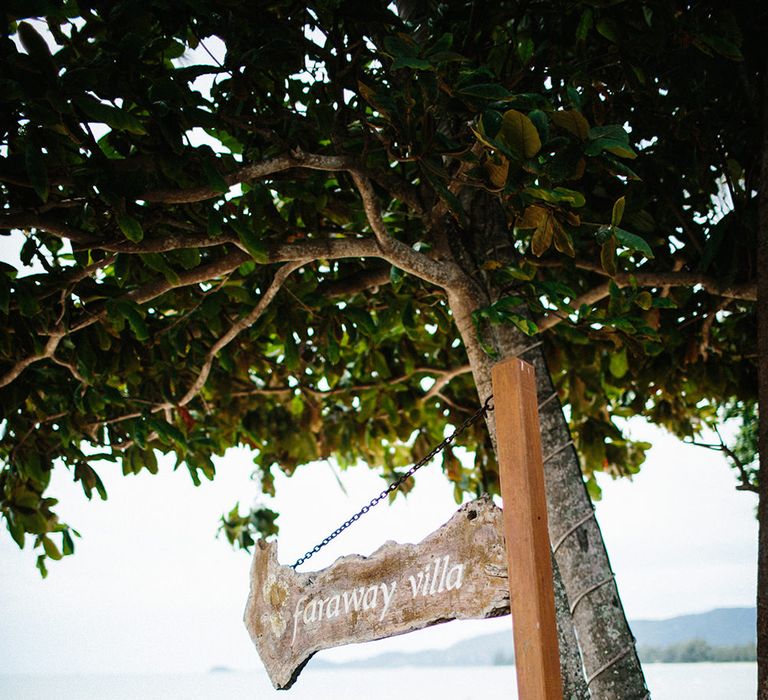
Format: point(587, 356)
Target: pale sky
point(150, 589)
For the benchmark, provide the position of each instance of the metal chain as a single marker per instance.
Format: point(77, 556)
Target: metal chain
point(400, 480)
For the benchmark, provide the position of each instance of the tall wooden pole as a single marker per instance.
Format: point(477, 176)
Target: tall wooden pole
point(521, 472)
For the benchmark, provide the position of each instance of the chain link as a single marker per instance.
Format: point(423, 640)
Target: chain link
point(400, 480)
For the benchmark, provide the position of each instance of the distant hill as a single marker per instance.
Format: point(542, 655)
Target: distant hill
point(485, 650)
point(721, 627)
point(718, 628)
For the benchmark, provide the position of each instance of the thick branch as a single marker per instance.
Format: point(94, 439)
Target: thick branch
point(354, 284)
point(21, 365)
point(249, 173)
point(29, 220)
point(82, 240)
point(746, 291)
point(155, 245)
point(325, 249)
point(442, 274)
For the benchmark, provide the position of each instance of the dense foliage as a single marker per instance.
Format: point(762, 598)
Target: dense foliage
point(243, 213)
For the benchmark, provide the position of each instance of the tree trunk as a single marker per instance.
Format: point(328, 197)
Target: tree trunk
point(609, 658)
point(762, 369)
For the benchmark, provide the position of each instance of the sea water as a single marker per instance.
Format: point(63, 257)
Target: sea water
point(703, 681)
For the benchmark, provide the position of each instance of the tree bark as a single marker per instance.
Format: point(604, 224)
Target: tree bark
point(762, 369)
point(591, 604)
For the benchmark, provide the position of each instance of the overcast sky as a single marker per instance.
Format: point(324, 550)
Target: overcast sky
point(150, 588)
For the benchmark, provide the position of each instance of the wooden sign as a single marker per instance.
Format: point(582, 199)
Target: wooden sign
point(457, 572)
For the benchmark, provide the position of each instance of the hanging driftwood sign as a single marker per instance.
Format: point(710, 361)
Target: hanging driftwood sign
point(457, 572)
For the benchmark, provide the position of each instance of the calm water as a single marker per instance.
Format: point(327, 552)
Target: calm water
point(667, 682)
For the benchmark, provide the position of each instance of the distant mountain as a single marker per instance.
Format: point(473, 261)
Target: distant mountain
point(485, 650)
point(718, 628)
point(721, 627)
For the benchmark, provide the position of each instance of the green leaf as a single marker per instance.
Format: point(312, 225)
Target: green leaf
point(156, 262)
point(442, 44)
point(486, 91)
point(413, 62)
point(120, 119)
point(618, 363)
point(608, 28)
point(32, 41)
point(572, 121)
point(519, 134)
point(214, 223)
point(557, 195)
point(131, 312)
point(130, 227)
point(644, 300)
point(50, 548)
point(16, 529)
point(524, 324)
point(633, 242)
point(721, 45)
point(563, 241)
point(36, 169)
point(525, 49)
point(189, 258)
point(585, 24)
point(67, 545)
point(213, 176)
point(664, 303)
point(618, 211)
point(490, 123)
point(251, 242)
point(361, 319)
point(167, 432)
point(542, 237)
point(396, 277)
point(291, 352)
point(608, 256)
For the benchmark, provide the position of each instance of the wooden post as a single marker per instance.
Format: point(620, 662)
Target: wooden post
point(521, 472)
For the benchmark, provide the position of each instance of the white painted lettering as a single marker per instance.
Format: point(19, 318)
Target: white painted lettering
point(296, 617)
point(352, 599)
point(426, 581)
point(371, 598)
point(441, 588)
point(415, 586)
point(332, 609)
point(451, 584)
point(313, 607)
point(387, 594)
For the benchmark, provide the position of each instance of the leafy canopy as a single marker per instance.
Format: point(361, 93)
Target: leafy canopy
point(246, 214)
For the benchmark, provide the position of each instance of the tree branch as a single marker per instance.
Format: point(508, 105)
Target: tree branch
point(249, 173)
point(746, 291)
point(25, 221)
point(442, 274)
point(324, 249)
point(239, 326)
point(589, 298)
point(354, 284)
point(21, 365)
point(437, 387)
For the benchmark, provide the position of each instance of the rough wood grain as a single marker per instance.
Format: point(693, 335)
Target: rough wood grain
point(521, 474)
point(457, 572)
